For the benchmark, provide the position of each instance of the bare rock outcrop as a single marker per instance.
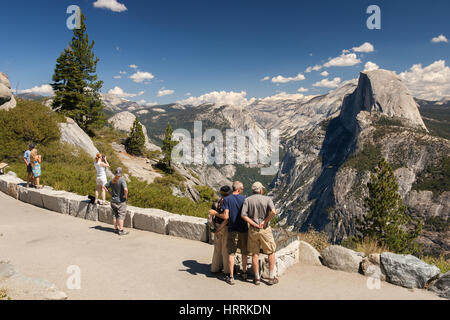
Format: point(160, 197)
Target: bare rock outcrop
point(123, 121)
point(7, 100)
point(74, 135)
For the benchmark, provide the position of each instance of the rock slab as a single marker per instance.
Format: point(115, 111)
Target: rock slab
point(308, 255)
point(188, 227)
point(407, 271)
point(340, 258)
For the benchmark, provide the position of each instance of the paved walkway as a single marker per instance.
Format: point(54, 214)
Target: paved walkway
point(144, 265)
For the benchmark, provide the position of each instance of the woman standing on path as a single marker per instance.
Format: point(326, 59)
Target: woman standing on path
point(35, 160)
point(100, 164)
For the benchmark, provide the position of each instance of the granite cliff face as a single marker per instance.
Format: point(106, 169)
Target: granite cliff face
point(7, 100)
point(323, 177)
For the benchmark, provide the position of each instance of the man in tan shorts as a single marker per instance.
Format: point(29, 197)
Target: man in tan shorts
point(258, 210)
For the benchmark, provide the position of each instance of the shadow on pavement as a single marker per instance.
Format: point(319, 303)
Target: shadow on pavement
point(196, 268)
point(101, 228)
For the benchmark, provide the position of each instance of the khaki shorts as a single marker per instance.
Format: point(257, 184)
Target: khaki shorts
point(119, 210)
point(261, 239)
point(237, 240)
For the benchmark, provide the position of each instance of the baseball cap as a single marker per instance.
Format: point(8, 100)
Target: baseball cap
point(118, 171)
point(257, 186)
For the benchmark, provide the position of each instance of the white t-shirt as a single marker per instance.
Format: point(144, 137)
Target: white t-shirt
point(101, 171)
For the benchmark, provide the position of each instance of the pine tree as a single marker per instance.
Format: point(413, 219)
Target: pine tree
point(387, 219)
point(76, 84)
point(136, 140)
point(168, 145)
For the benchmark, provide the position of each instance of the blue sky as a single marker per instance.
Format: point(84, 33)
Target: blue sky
point(199, 47)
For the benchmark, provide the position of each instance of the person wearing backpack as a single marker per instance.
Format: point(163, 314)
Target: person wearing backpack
point(219, 228)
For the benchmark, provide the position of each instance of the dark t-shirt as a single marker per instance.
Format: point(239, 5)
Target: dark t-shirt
point(234, 204)
point(117, 190)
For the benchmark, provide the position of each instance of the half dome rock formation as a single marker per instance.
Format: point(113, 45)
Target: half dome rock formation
point(123, 121)
point(322, 181)
point(381, 91)
point(7, 100)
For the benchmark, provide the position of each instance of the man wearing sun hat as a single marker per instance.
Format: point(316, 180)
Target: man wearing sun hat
point(258, 210)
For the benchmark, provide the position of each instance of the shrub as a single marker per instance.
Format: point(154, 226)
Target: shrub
point(440, 262)
point(319, 240)
point(367, 245)
point(157, 195)
point(206, 193)
point(29, 121)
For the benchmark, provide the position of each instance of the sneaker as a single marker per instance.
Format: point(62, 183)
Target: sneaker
point(123, 233)
point(272, 281)
point(230, 280)
point(257, 282)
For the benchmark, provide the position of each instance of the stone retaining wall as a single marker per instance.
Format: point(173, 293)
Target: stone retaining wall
point(153, 220)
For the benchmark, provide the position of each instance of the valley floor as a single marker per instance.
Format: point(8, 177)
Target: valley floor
point(144, 265)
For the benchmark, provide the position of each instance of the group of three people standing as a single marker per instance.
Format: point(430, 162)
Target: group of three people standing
point(244, 223)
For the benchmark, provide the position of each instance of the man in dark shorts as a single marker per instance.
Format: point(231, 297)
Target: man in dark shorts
point(220, 255)
point(119, 196)
point(237, 229)
point(26, 159)
point(258, 210)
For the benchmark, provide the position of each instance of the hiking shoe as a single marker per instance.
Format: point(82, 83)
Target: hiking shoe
point(272, 281)
point(230, 281)
point(123, 233)
point(257, 282)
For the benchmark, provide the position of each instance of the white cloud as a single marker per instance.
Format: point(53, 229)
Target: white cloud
point(281, 79)
point(165, 92)
point(365, 47)
point(117, 77)
point(147, 104)
point(188, 94)
point(265, 78)
point(313, 68)
point(302, 89)
point(344, 60)
point(431, 82)
point(133, 66)
point(112, 5)
point(122, 72)
point(284, 96)
point(140, 93)
point(220, 98)
point(325, 83)
point(440, 38)
point(44, 89)
point(370, 66)
point(118, 91)
point(325, 74)
point(141, 76)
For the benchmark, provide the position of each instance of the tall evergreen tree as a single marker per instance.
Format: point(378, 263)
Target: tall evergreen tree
point(76, 84)
point(167, 147)
point(136, 140)
point(387, 219)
